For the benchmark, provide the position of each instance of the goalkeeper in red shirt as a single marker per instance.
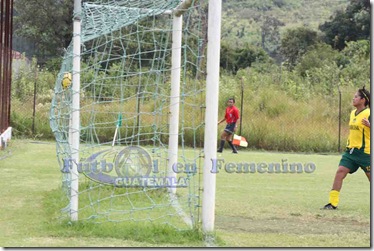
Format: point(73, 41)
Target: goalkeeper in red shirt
point(231, 117)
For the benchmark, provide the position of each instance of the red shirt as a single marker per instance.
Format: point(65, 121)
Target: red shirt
point(232, 114)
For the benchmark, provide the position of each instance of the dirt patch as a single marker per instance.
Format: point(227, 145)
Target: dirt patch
point(295, 225)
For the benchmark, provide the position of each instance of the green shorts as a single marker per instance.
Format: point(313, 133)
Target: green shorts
point(355, 160)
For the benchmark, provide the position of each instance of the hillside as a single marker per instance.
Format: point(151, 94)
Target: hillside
point(261, 22)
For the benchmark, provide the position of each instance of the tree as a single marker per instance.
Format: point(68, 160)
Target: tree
point(351, 25)
point(295, 43)
point(317, 56)
point(270, 36)
point(357, 67)
point(46, 23)
point(233, 59)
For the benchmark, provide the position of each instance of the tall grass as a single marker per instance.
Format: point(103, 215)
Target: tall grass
point(272, 119)
point(280, 109)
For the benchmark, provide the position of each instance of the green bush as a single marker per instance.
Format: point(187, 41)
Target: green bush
point(282, 110)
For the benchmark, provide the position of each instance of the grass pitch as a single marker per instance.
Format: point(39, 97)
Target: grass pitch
point(252, 209)
point(283, 209)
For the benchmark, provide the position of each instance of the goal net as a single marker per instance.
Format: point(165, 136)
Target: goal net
point(141, 113)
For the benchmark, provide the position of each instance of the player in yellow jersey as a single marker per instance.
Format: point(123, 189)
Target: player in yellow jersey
point(357, 153)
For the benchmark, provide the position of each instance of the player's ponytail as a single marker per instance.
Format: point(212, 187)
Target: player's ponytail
point(366, 95)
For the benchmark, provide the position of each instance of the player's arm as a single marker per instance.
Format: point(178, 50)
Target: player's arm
point(366, 121)
point(236, 124)
point(224, 118)
point(219, 122)
point(237, 120)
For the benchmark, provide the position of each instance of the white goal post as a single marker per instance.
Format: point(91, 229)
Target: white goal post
point(211, 114)
point(211, 117)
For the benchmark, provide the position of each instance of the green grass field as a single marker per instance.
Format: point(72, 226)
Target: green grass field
point(252, 209)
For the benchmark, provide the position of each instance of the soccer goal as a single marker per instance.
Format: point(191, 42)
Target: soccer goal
point(134, 125)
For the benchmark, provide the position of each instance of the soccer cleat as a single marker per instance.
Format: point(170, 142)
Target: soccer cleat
point(232, 147)
point(219, 150)
point(329, 207)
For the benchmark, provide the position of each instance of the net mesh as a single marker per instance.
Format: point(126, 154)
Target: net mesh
point(126, 49)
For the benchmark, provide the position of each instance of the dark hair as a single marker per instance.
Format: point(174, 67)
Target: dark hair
point(365, 94)
point(233, 99)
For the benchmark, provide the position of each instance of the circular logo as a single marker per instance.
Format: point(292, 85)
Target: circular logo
point(133, 161)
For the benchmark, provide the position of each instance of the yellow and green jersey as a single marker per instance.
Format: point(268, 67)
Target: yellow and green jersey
point(359, 134)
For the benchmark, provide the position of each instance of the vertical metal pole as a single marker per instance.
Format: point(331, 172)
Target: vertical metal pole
point(75, 114)
point(175, 97)
point(6, 62)
point(2, 67)
point(10, 37)
point(34, 104)
point(211, 118)
point(241, 106)
point(6, 28)
point(340, 117)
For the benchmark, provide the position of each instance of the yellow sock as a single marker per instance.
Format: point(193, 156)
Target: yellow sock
point(334, 198)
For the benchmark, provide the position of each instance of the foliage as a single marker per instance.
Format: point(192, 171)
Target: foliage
point(258, 23)
point(47, 23)
point(272, 91)
point(31, 76)
point(250, 21)
point(317, 56)
point(357, 68)
point(324, 78)
point(31, 100)
point(350, 25)
point(295, 43)
point(261, 5)
point(233, 59)
point(53, 64)
point(357, 50)
point(270, 34)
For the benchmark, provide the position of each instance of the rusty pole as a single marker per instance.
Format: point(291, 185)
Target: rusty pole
point(6, 30)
